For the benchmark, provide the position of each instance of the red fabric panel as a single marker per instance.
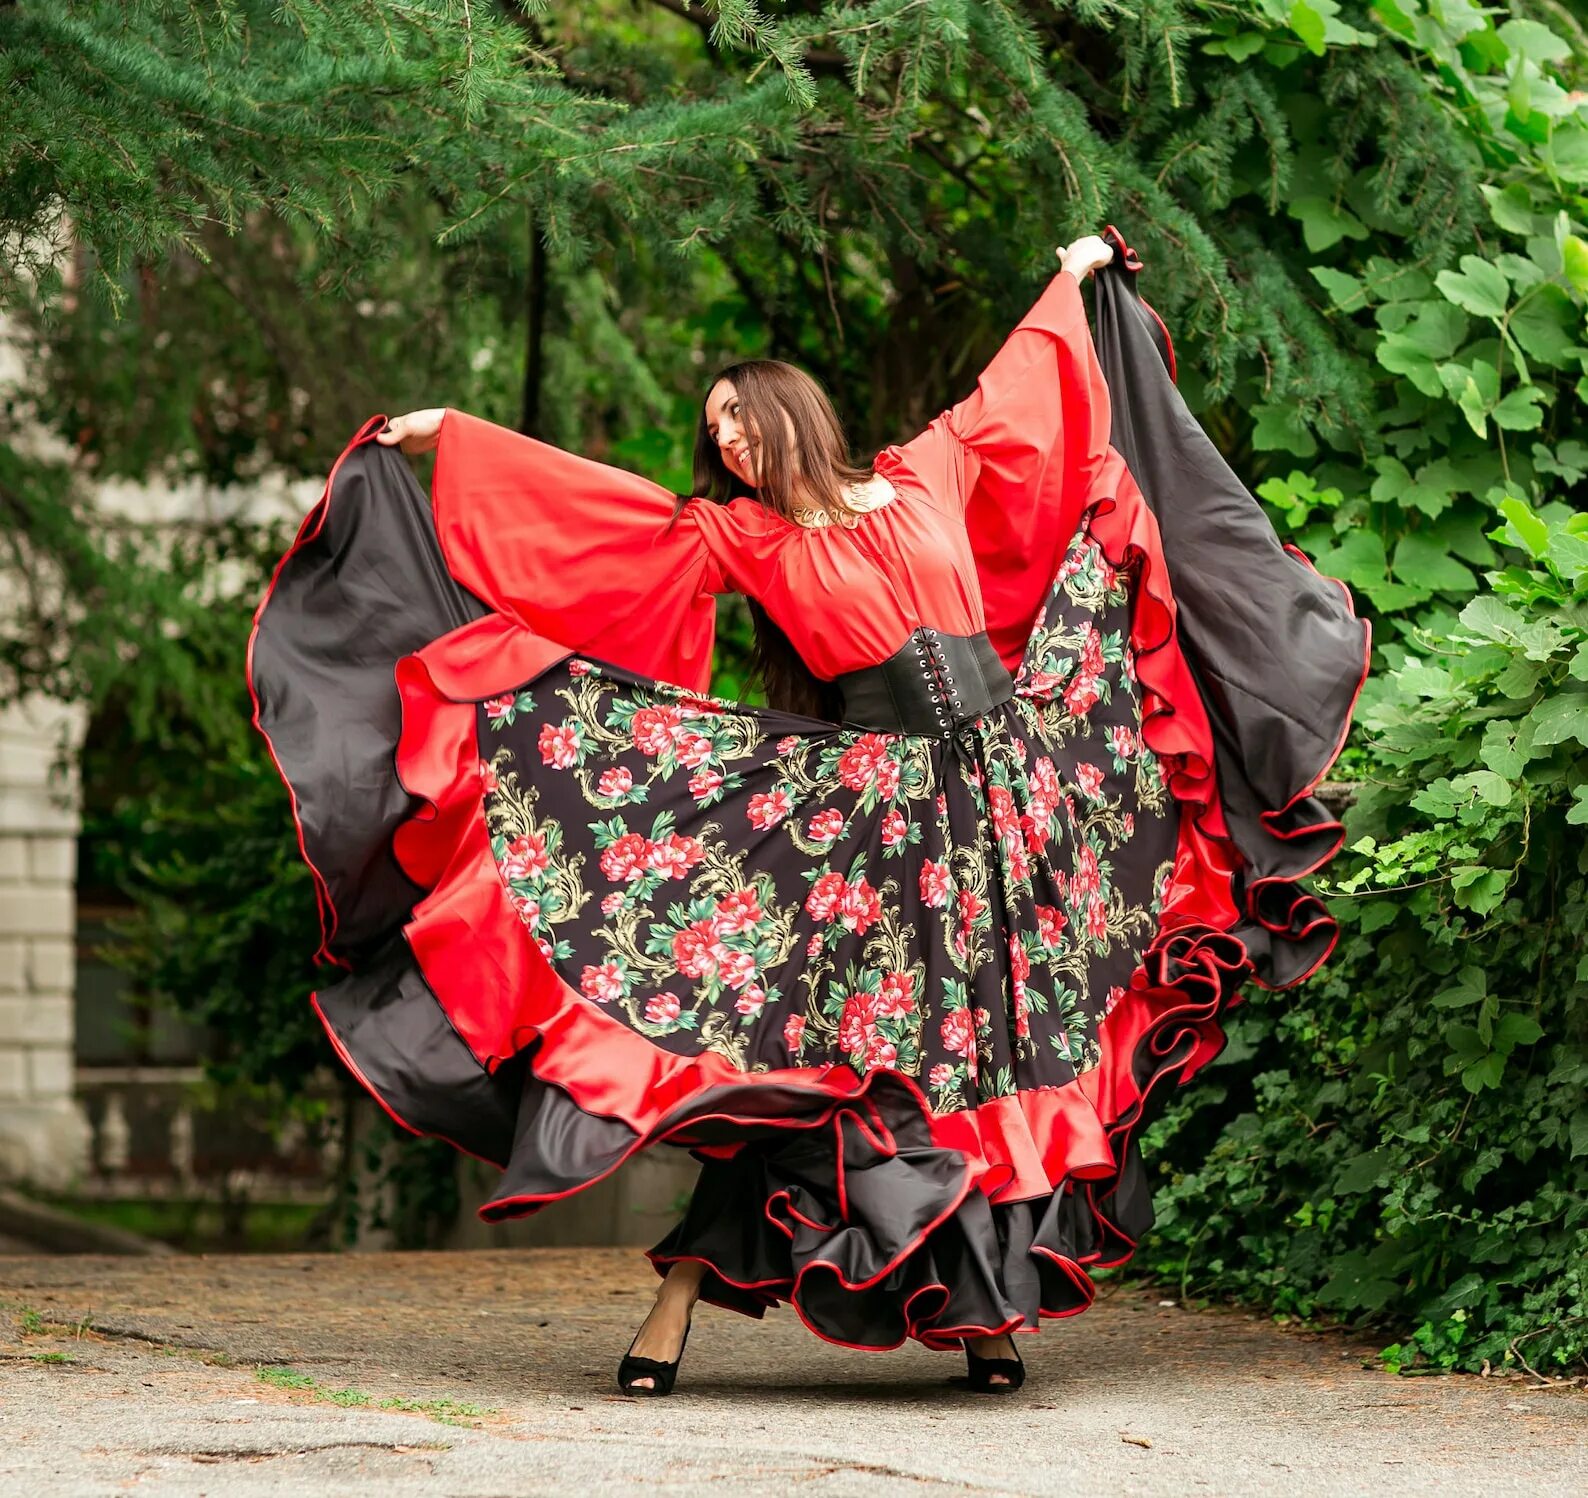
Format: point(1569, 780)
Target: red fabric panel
point(579, 552)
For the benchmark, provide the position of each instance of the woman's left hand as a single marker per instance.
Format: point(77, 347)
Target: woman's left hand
point(1084, 256)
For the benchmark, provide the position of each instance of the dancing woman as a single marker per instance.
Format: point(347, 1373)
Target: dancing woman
point(900, 956)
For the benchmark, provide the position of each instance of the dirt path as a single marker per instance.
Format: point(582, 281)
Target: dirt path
point(492, 1374)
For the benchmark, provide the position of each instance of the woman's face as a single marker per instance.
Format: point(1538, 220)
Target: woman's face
point(728, 429)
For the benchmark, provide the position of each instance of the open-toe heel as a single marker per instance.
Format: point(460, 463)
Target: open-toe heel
point(982, 1371)
point(664, 1374)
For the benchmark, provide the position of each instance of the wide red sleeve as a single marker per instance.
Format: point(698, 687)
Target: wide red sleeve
point(581, 553)
point(1020, 456)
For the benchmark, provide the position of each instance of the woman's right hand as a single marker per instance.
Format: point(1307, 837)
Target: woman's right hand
point(417, 432)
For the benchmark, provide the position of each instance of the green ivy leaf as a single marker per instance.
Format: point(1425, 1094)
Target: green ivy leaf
point(1424, 563)
point(1343, 289)
point(1574, 258)
point(1530, 531)
point(1479, 287)
point(1557, 719)
point(1282, 429)
point(1495, 789)
point(1308, 25)
point(1512, 207)
point(1521, 410)
point(1428, 340)
point(1471, 985)
point(1578, 1131)
point(1546, 325)
point(1514, 1030)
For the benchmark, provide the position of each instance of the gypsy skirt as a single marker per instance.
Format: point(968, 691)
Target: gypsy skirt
point(905, 995)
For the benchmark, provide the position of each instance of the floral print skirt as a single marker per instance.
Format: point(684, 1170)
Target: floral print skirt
point(903, 995)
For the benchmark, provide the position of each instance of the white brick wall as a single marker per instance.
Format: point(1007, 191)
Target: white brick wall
point(42, 1135)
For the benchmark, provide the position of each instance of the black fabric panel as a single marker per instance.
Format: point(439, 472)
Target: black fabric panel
point(1277, 652)
point(386, 1021)
point(370, 588)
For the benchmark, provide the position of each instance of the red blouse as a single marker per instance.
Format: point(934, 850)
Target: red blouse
point(600, 560)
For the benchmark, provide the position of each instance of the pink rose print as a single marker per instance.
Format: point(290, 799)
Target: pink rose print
point(940, 1075)
point(694, 752)
point(880, 1051)
point(1130, 824)
point(654, 728)
point(487, 779)
point(663, 1009)
point(528, 910)
point(1090, 780)
point(959, 1036)
point(894, 828)
point(546, 949)
point(1050, 925)
point(736, 968)
point(1096, 918)
point(814, 945)
point(935, 884)
point(603, 983)
point(1001, 807)
point(859, 763)
point(794, 1031)
point(577, 667)
point(942, 804)
point(826, 892)
point(525, 857)
point(696, 950)
point(1081, 696)
point(738, 911)
point(751, 1001)
point(703, 782)
point(497, 708)
point(888, 779)
point(618, 781)
point(559, 745)
point(784, 746)
point(1122, 741)
point(1115, 994)
point(1088, 878)
point(897, 998)
point(826, 825)
point(768, 808)
point(1092, 651)
point(612, 904)
point(625, 858)
point(674, 856)
point(699, 707)
point(1045, 788)
point(858, 1022)
point(860, 906)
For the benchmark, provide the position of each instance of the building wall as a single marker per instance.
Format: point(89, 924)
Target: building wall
point(43, 1137)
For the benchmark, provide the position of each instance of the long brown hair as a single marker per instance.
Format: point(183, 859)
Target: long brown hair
point(789, 416)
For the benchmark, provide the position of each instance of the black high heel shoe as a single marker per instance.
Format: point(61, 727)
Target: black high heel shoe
point(982, 1371)
point(633, 1368)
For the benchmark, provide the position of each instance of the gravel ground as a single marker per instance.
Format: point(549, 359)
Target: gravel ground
point(491, 1373)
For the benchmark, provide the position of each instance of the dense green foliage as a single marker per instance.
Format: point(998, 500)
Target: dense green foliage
point(1408, 1137)
point(1364, 224)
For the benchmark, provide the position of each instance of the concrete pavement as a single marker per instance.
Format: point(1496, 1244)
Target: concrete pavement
point(491, 1374)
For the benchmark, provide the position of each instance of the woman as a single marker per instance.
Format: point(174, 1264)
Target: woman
point(900, 956)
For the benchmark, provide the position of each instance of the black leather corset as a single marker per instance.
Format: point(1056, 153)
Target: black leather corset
point(931, 684)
